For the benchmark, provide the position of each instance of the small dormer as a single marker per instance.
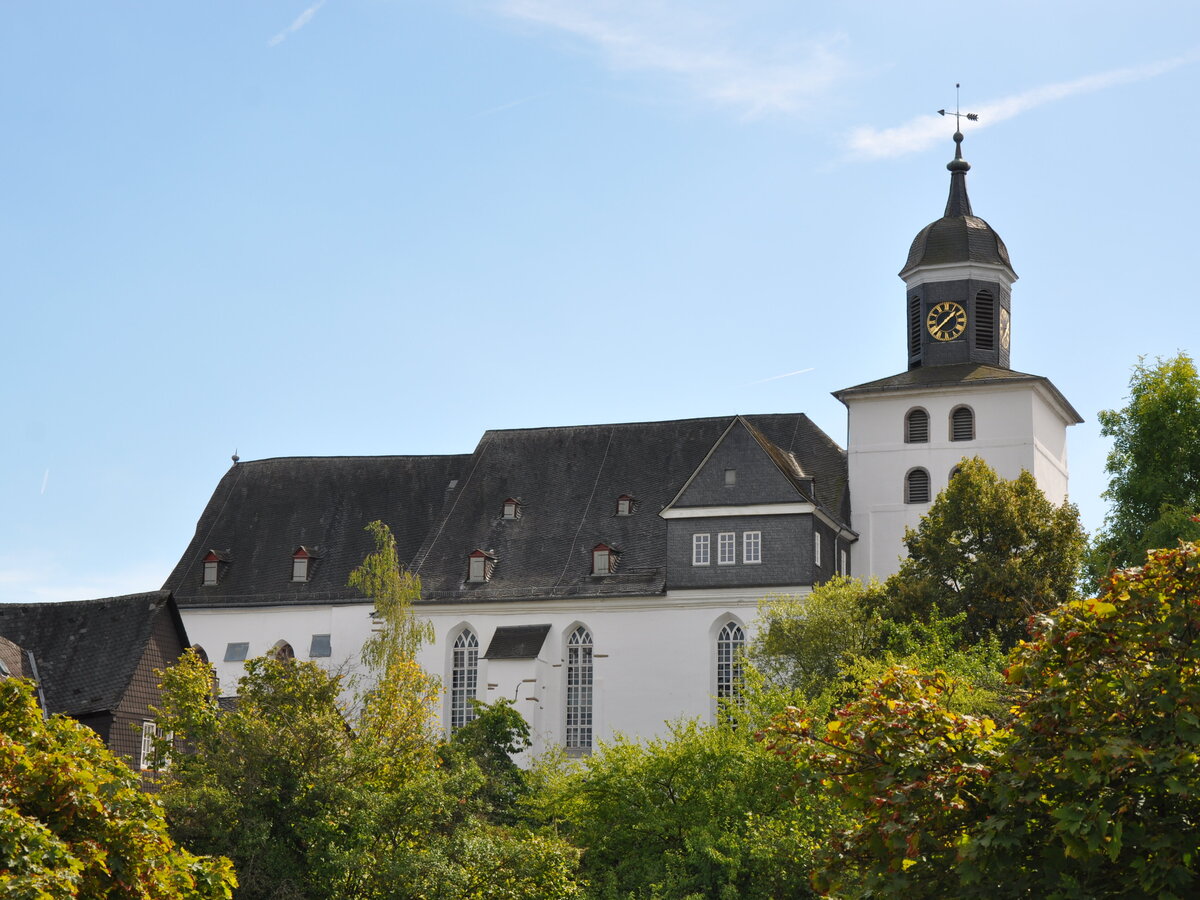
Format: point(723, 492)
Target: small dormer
point(604, 559)
point(302, 563)
point(625, 505)
point(480, 566)
point(215, 563)
point(512, 508)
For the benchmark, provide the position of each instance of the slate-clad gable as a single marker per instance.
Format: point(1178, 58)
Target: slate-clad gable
point(263, 510)
point(758, 476)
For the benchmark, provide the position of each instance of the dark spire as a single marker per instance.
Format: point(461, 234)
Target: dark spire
point(958, 203)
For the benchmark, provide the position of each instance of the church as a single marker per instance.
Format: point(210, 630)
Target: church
point(604, 578)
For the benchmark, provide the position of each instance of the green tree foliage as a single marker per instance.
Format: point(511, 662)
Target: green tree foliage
point(1091, 789)
point(75, 823)
point(490, 741)
point(1154, 464)
point(991, 550)
point(697, 814)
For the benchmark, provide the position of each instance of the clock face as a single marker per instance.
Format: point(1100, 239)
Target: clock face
point(1005, 328)
point(946, 321)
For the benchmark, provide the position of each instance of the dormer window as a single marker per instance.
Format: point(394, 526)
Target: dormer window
point(301, 564)
point(604, 560)
point(480, 566)
point(213, 565)
point(512, 508)
point(624, 505)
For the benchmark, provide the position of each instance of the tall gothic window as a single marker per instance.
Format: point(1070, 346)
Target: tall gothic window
point(579, 691)
point(730, 643)
point(464, 679)
point(916, 427)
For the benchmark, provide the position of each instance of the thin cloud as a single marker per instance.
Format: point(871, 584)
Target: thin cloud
point(926, 131)
point(300, 21)
point(683, 41)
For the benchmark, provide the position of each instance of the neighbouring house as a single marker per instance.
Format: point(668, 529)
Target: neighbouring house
point(94, 661)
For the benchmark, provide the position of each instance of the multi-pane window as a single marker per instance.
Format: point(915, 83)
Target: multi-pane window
point(579, 690)
point(730, 642)
point(700, 549)
point(726, 548)
point(147, 759)
point(916, 427)
point(751, 546)
point(916, 486)
point(210, 571)
point(816, 548)
point(464, 678)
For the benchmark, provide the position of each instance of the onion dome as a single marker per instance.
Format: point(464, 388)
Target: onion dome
point(958, 237)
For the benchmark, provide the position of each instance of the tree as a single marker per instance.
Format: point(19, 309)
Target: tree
point(1091, 789)
point(1154, 464)
point(694, 814)
point(992, 550)
point(490, 741)
point(75, 822)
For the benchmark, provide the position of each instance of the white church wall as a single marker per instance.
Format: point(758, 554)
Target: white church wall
point(1016, 429)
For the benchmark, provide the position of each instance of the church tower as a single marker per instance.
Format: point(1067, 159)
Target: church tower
point(959, 396)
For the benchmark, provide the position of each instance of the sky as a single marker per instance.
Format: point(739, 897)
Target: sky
point(384, 226)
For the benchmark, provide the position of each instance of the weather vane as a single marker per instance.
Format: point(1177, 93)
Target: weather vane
point(971, 117)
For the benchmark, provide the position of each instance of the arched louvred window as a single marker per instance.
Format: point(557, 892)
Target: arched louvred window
point(730, 642)
point(579, 691)
point(916, 486)
point(914, 326)
point(962, 424)
point(916, 427)
point(955, 471)
point(985, 321)
point(281, 651)
point(464, 678)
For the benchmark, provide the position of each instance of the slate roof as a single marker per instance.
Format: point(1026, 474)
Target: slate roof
point(263, 510)
point(13, 662)
point(517, 642)
point(88, 650)
point(961, 375)
point(569, 480)
point(958, 236)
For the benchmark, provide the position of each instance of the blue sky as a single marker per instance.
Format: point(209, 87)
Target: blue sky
point(377, 227)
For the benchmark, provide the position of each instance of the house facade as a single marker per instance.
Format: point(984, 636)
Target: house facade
point(604, 578)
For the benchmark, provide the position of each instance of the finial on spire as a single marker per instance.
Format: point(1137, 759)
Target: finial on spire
point(235, 457)
point(958, 204)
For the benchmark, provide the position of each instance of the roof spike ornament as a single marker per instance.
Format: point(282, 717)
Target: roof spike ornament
point(958, 203)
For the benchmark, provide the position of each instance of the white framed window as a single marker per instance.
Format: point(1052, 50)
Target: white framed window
point(579, 691)
point(464, 679)
point(477, 568)
point(603, 559)
point(624, 505)
point(146, 759)
point(210, 571)
point(700, 549)
point(726, 548)
point(844, 568)
point(299, 568)
point(730, 642)
point(816, 548)
point(751, 547)
point(512, 508)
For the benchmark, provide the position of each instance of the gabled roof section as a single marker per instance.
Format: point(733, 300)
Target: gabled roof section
point(965, 375)
point(88, 650)
point(13, 661)
point(568, 478)
point(263, 510)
